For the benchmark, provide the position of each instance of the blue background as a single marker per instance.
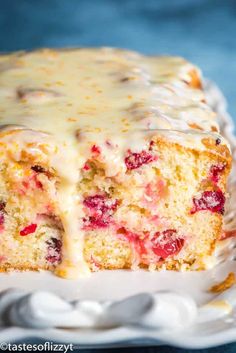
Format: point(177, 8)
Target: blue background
point(203, 31)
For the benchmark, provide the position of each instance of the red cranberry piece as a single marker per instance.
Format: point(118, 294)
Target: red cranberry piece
point(166, 244)
point(100, 203)
point(135, 160)
point(38, 169)
point(38, 183)
point(1, 218)
point(28, 229)
point(209, 200)
point(96, 222)
point(152, 143)
point(86, 166)
point(96, 149)
point(54, 250)
point(131, 237)
point(2, 205)
point(95, 262)
point(31, 182)
point(215, 171)
point(128, 235)
point(100, 210)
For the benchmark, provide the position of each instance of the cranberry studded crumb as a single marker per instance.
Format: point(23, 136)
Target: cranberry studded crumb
point(215, 172)
point(209, 201)
point(212, 201)
point(100, 209)
point(94, 222)
point(28, 229)
point(30, 183)
point(134, 239)
point(100, 203)
point(135, 160)
point(167, 243)
point(163, 244)
point(54, 250)
point(38, 183)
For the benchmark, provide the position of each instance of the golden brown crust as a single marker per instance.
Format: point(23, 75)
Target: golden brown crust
point(195, 79)
point(215, 152)
point(227, 283)
point(23, 267)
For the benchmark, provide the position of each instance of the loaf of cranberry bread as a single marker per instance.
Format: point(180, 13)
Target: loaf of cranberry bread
point(109, 160)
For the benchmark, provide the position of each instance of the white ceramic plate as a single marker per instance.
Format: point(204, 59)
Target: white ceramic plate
point(175, 309)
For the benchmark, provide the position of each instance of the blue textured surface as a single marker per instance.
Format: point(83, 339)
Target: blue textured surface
point(203, 31)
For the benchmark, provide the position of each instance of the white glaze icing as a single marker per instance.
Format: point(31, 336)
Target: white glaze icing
point(73, 99)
